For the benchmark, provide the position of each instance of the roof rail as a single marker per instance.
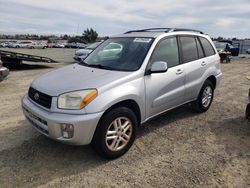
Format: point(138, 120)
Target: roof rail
point(164, 29)
point(189, 30)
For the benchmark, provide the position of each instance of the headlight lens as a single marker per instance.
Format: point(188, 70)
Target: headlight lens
point(76, 100)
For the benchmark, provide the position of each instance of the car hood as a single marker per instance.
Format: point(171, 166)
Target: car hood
point(75, 77)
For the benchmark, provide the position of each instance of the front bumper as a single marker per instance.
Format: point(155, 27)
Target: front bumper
point(49, 123)
point(4, 72)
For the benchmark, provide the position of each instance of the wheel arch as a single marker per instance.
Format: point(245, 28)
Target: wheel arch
point(212, 79)
point(129, 103)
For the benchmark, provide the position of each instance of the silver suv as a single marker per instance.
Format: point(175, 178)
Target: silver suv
point(104, 99)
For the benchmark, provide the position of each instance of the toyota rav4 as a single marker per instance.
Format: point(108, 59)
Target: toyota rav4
point(103, 99)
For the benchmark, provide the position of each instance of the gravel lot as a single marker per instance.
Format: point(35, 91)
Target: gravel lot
point(178, 149)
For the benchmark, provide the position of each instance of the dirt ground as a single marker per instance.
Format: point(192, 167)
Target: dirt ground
point(178, 149)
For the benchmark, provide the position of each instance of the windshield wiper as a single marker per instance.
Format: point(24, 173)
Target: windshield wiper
point(100, 66)
point(83, 63)
point(96, 66)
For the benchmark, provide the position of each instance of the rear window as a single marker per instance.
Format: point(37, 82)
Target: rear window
point(188, 49)
point(208, 48)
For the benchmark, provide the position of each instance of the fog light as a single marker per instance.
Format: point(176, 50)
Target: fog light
point(67, 130)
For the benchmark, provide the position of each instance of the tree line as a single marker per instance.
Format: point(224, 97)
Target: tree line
point(88, 36)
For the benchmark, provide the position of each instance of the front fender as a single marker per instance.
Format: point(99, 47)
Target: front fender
point(133, 90)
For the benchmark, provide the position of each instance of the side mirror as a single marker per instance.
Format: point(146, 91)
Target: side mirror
point(159, 66)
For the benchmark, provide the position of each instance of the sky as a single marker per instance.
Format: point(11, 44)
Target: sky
point(226, 18)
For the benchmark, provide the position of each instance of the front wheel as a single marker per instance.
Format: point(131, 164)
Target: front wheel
point(115, 133)
point(205, 97)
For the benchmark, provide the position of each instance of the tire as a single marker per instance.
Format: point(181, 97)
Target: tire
point(206, 92)
point(120, 140)
point(247, 114)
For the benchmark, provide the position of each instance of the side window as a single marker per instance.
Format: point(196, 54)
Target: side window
point(200, 51)
point(166, 50)
point(208, 48)
point(188, 49)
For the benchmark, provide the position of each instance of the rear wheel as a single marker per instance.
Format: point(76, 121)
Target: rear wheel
point(115, 133)
point(205, 97)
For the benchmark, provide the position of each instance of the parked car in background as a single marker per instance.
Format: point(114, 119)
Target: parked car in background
point(58, 45)
point(75, 45)
point(248, 51)
point(104, 101)
point(82, 45)
point(4, 44)
point(4, 72)
point(70, 45)
point(7, 44)
point(38, 45)
point(50, 45)
point(22, 44)
point(224, 47)
point(81, 54)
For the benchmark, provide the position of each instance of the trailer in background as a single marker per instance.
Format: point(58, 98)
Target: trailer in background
point(15, 59)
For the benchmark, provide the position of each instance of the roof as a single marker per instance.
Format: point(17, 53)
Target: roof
point(155, 32)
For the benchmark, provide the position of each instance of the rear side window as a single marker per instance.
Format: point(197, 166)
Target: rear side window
point(166, 50)
point(208, 48)
point(188, 49)
point(199, 48)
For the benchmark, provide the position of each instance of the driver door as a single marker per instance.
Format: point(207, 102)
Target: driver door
point(165, 90)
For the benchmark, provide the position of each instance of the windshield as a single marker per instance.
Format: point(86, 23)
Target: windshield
point(122, 54)
point(93, 45)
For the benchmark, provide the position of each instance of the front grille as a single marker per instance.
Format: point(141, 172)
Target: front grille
point(40, 98)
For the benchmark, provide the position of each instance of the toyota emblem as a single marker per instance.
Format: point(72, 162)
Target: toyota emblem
point(36, 96)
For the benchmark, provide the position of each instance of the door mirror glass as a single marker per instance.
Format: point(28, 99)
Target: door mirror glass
point(159, 66)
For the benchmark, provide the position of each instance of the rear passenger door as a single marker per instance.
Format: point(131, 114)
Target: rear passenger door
point(194, 62)
point(165, 90)
point(197, 56)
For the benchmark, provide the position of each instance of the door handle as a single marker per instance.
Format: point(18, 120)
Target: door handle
point(203, 63)
point(179, 71)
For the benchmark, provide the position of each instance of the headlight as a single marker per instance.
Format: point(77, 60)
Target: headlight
point(76, 100)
